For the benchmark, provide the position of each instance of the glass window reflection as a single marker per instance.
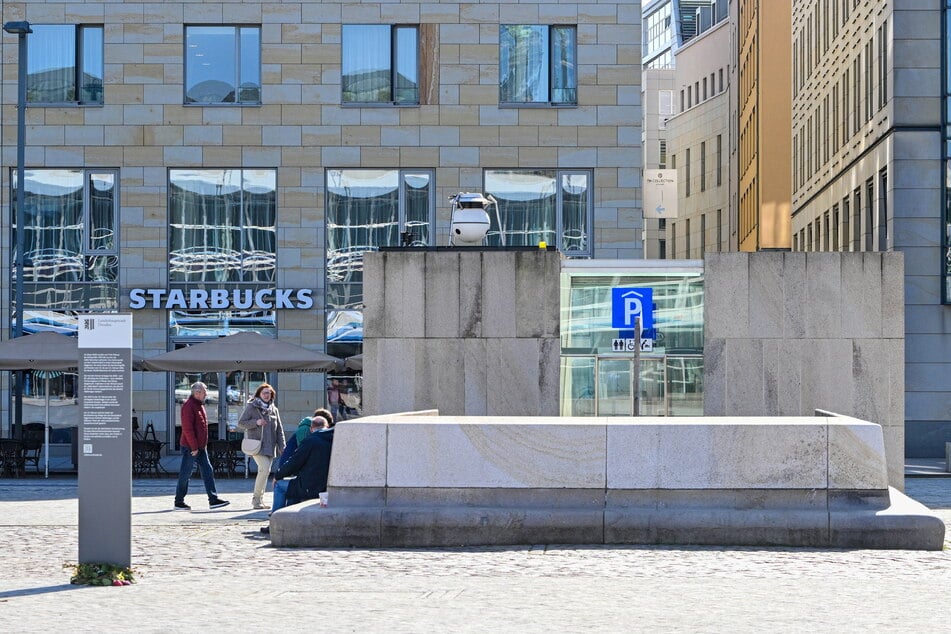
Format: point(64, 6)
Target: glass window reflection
point(222, 64)
point(222, 225)
point(219, 323)
point(61, 207)
point(368, 209)
point(541, 205)
point(537, 64)
point(65, 64)
point(380, 64)
point(70, 256)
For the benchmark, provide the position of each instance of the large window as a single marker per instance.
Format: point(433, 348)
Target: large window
point(368, 209)
point(537, 65)
point(380, 64)
point(222, 225)
point(554, 206)
point(222, 64)
point(70, 256)
point(222, 231)
point(64, 64)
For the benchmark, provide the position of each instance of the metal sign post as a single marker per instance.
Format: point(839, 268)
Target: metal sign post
point(636, 372)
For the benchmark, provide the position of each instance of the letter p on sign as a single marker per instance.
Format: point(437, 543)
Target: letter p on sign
point(630, 303)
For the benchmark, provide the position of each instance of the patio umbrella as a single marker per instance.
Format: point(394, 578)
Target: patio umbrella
point(354, 363)
point(248, 351)
point(46, 352)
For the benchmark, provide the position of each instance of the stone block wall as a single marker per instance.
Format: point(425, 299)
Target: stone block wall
point(467, 332)
point(788, 333)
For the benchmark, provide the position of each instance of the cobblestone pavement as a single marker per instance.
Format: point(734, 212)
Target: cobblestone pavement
point(213, 569)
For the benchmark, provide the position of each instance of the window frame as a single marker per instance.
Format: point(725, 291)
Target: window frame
point(236, 78)
point(242, 272)
point(89, 278)
point(550, 103)
point(559, 227)
point(78, 67)
point(394, 50)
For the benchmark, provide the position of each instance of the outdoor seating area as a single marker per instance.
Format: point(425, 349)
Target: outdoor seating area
point(147, 458)
point(11, 457)
point(226, 458)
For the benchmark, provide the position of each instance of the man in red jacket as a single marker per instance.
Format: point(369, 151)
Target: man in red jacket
point(195, 448)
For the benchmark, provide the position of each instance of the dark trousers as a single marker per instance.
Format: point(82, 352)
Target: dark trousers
point(185, 472)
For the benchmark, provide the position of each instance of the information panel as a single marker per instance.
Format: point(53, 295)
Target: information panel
point(105, 439)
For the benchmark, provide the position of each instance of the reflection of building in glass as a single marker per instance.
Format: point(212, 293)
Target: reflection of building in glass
point(70, 260)
point(596, 378)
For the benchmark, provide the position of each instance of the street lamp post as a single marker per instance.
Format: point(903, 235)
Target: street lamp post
point(21, 30)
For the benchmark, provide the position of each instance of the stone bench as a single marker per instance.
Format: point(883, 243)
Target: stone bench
point(422, 480)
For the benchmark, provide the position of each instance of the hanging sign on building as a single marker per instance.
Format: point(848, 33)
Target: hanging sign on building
point(660, 193)
point(221, 299)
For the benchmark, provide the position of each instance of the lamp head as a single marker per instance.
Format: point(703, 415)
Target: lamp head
point(17, 28)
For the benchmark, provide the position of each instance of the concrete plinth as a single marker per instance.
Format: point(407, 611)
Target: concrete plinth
point(449, 481)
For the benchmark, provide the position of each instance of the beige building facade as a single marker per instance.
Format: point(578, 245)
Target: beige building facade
point(265, 146)
point(764, 123)
point(698, 143)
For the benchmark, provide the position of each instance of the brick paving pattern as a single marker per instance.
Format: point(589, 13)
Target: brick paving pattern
point(213, 569)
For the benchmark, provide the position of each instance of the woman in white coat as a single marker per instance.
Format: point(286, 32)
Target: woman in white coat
point(261, 420)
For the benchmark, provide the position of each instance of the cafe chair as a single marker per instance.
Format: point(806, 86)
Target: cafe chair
point(32, 448)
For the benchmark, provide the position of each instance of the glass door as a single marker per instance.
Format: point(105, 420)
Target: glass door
point(615, 387)
point(653, 386)
point(239, 387)
point(181, 392)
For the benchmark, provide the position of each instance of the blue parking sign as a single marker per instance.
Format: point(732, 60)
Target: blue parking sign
point(628, 303)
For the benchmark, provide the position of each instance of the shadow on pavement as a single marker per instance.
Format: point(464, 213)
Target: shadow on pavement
point(28, 592)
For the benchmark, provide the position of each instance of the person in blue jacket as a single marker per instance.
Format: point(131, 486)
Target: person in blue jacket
point(321, 422)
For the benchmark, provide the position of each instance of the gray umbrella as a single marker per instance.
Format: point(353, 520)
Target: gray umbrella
point(241, 351)
point(355, 362)
point(41, 351)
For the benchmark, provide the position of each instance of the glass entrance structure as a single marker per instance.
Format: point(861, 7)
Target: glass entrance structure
point(599, 375)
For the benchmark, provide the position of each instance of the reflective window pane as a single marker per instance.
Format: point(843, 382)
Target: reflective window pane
point(90, 80)
point(222, 225)
point(577, 386)
point(366, 64)
point(219, 323)
point(344, 326)
point(564, 77)
point(537, 64)
point(380, 64)
point(102, 209)
point(523, 63)
point(64, 64)
point(368, 209)
point(527, 207)
point(223, 64)
point(51, 63)
point(418, 190)
point(249, 78)
point(260, 222)
point(574, 209)
point(541, 205)
point(406, 73)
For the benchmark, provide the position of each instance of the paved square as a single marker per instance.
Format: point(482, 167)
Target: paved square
point(214, 570)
